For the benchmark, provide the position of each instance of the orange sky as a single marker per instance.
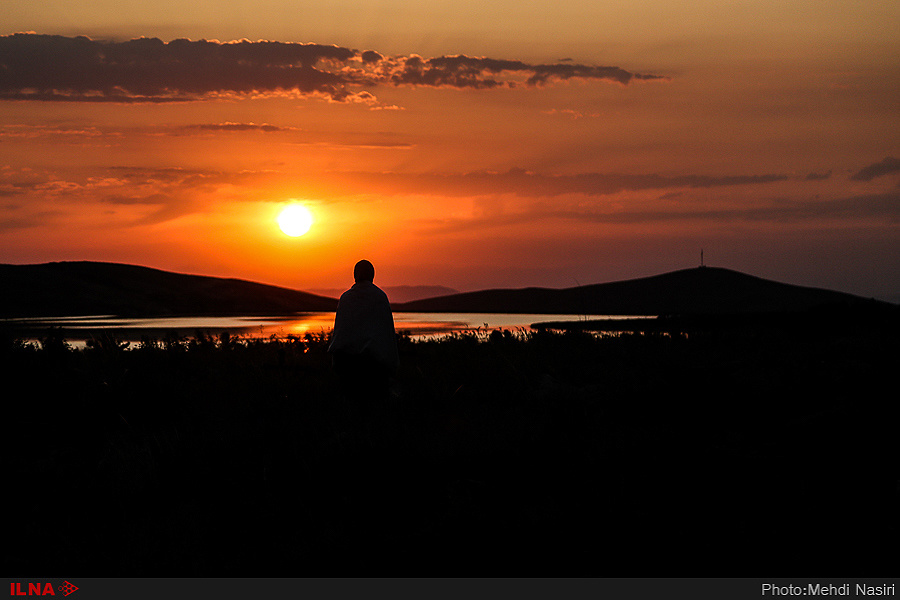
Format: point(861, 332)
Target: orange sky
point(468, 144)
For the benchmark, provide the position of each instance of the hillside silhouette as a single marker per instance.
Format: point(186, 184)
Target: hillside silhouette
point(98, 288)
point(702, 290)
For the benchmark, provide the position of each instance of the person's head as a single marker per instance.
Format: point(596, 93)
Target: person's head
point(364, 271)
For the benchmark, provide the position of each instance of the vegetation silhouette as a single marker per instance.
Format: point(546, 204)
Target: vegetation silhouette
point(728, 452)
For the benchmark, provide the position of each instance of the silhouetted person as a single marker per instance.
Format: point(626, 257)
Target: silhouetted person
point(363, 345)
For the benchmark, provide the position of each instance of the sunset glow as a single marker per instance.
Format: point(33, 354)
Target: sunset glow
point(459, 145)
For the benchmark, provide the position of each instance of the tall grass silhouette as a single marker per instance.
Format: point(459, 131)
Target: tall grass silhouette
point(504, 452)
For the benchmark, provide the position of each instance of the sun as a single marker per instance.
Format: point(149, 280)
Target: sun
point(295, 220)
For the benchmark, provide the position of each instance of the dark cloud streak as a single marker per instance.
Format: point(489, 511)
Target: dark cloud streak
point(527, 184)
point(56, 68)
point(884, 208)
point(230, 126)
point(480, 72)
point(885, 167)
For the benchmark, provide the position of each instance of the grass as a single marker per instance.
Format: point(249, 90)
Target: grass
point(760, 452)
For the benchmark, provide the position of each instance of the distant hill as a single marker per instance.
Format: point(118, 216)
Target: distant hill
point(96, 288)
point(398, 293)
point(702, 290)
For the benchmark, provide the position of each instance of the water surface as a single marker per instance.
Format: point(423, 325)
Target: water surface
point(79, 329)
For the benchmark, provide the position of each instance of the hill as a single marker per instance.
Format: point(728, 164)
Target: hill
point(702, 290)
point(96, 288)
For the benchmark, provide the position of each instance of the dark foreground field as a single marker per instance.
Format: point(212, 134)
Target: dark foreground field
point(754, 452)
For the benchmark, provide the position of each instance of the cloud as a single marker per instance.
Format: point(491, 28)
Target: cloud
point(157, 194)
point(41, 131)
point(57, 68)
point(573, 114)
point(147, 69)
point(230, 126)
point(885, 167)
point(370, 56)
point(27, 222)
point(528, 184)
point(881, 207)
point(17, 182)
point(481, 72)
point(884, 208)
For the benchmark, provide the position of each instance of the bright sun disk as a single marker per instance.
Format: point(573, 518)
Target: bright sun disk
point(295, 220)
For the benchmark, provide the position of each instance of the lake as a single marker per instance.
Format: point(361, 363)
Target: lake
point(78, 329)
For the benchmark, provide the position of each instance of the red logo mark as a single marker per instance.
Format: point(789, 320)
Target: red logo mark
point(17, 588)
point(33, 589)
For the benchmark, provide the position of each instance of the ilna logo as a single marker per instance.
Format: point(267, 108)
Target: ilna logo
point(17, 588)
